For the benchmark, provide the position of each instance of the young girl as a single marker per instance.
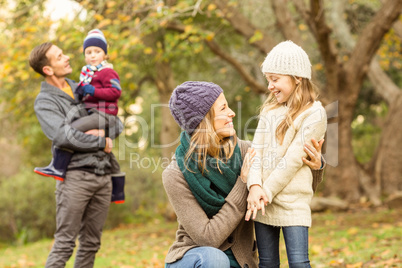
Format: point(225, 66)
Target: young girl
point(204, 182)
point(99, 89)
point(278, 179)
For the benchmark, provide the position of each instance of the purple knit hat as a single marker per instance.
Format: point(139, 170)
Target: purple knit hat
point(191, 101)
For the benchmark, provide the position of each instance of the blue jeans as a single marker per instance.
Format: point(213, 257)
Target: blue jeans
point(202, 257)
point(296, 240)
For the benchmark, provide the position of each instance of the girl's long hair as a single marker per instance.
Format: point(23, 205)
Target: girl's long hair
point(302, 97)
point(205, 141)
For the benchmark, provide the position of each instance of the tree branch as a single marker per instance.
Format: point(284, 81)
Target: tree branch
point(371, 37)
point(285, 21)
point(380, 80)
point(243, 26)
point(322, 35)
point(247, 77)
point(300, 7)
point(382, 83)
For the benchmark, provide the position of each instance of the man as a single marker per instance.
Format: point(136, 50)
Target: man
point(83, 198)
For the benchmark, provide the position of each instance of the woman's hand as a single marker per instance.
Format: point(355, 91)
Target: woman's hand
point(314, 154)
point(256, 200)
point(247, 162)
point(109, 145)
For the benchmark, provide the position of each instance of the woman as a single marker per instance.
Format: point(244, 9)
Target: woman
point(204, 182)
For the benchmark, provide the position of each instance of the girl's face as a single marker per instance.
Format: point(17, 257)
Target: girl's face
point(281, 86)
point(94, 55)
point(223, 122)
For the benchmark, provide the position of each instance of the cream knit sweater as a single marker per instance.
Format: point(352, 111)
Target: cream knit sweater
point(279, 168)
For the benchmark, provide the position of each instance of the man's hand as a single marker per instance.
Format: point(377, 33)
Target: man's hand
point(96, 132)
point(109, 145)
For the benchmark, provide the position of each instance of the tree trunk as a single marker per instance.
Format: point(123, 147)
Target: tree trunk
point(388, 168)
point(169, 132)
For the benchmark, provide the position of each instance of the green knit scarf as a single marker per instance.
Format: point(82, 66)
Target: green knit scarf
point(211, 188)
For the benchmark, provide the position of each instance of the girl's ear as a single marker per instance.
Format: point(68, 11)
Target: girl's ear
point(298, 80)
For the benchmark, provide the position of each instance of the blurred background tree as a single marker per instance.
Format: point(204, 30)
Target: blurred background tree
point(154, 45)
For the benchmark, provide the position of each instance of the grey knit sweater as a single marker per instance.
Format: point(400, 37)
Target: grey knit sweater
point(55, 111)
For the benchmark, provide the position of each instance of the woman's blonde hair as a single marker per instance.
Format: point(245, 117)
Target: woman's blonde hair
point(205, 141)
point(302, 97)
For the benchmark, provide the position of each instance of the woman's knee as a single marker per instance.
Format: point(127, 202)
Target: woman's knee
point(213, 258)
point(202, 257)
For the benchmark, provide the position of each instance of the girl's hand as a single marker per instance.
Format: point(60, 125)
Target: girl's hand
point(247, 162)
point(256, 200)
point(314, 154)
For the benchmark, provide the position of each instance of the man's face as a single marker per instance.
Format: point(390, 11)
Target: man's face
point(59, 63)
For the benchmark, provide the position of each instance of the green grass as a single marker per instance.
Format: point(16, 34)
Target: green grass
point(360, 238)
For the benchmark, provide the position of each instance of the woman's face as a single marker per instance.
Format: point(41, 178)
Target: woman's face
point(281, 86)
point(223, 122)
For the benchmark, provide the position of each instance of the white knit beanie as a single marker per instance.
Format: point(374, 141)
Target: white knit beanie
point(287, 58)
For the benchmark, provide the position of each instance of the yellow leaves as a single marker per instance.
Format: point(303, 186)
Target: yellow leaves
point(188, 28)
point(256, 37)
point(98, 17)
point(128, 75)
point(223, 70)
point(110, 4)
point(352, 231)
point(302, 27)
point(31, 29)
point(104, 23)
point(316, 249)
point(211, 7)
point(148, 50)
point(113, 55)
point(355, 265)
point(336, 262)
point(124, 18)
point(318, 67)
point(62, 38)
point(210, 36)
point(137, 21)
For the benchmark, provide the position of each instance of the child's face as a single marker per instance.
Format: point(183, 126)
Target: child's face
point(281, 86)
point(223, 121)
point(94, 55)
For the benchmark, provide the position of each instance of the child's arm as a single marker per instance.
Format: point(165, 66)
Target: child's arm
point(111, 89)
point(314, 126)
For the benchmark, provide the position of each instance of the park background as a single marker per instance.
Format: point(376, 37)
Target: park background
point(355, 49)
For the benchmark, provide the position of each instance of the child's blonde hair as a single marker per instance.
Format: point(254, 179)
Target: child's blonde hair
point(301, 98)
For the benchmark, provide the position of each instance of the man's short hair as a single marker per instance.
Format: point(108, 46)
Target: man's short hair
point(38, 58)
